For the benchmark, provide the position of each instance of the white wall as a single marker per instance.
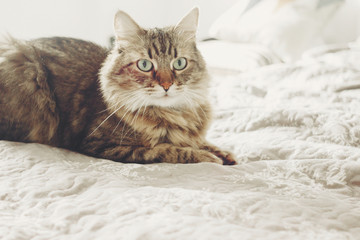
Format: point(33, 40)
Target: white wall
point(93, 19)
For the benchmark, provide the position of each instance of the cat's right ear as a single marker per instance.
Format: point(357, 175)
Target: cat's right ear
point(188, 25)
point(125, 27)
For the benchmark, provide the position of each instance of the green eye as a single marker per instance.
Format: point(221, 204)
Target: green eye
point(180, 63)
point(144, 65)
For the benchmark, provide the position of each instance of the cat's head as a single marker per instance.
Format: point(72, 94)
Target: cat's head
point(154, 67)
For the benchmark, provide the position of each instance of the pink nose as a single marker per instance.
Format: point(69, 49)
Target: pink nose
point(165, 79)
point(166, 85)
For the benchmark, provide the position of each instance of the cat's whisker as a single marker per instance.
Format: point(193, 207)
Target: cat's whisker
point(138, 111)
point(196, 95)
point(190, 104)
point(117, 109)
point(205, 115)
point(128, 109)
point(132, 121)
point(192, 108)
point(146, 105)
point(126, 96)
point(107, 109)
point(127, 115)
point(104, 121)
point(117, 125)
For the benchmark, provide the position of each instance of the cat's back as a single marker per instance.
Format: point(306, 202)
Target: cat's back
point(70, 52)
point(44, 85)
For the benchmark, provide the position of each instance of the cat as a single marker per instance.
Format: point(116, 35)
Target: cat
point(143, 101)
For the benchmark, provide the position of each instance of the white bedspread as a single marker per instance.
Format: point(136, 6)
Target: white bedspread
point(294, 128)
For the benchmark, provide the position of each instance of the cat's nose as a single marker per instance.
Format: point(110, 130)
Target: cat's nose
point(166, 85)
point(165, 79)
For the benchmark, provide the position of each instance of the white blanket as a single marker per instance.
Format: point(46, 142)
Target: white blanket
point(295, 129)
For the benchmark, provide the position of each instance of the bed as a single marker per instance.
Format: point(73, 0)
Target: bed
point(294, 127)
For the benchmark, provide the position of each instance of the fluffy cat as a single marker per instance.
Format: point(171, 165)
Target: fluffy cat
point(145, 101)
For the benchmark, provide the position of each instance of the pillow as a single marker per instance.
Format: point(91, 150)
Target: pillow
point(344, 26)
point(235, 57)
point(287, 27)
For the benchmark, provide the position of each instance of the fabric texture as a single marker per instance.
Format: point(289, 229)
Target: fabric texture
point(286, 27)
point(293, 127)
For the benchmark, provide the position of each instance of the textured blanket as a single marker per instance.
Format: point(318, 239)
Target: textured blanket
point(295, 129)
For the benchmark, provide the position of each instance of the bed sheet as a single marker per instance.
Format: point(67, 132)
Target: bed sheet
point(294, 129)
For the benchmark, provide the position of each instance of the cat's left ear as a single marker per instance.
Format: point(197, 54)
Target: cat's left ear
point(189, 23)
point(125, 27)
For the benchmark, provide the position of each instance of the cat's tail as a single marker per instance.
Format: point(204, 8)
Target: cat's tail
point(6, 47)
point(15, 50)
point(22, 68)
point(11, 48)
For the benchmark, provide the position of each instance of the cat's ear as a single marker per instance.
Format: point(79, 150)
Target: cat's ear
point(125, 27)
point(189, 23)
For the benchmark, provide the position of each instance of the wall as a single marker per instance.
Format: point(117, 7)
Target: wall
point(93, 20)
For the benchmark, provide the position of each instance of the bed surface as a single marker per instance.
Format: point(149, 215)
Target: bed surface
point(294, 128)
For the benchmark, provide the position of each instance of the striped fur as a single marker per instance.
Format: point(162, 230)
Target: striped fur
point(74, 94)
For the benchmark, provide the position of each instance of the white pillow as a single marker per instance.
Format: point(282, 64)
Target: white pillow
point(344, 26)
point(233, 57)
point(288, 27)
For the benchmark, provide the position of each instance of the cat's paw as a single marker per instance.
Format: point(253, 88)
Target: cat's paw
point(226, 157)
point(205, 156)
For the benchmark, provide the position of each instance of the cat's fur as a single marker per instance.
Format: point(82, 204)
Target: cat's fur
point(77, 95)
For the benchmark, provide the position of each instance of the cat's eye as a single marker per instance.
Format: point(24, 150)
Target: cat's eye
point(180, 63)
point(144, 65)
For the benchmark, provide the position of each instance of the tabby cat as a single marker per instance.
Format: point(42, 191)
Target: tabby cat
point(144, 101)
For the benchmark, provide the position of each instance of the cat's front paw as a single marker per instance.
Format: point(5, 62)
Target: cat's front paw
point(227, 157)
point(218, 156)
point(205, 156)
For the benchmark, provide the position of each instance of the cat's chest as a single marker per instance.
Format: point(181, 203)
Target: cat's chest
point(179, 130)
